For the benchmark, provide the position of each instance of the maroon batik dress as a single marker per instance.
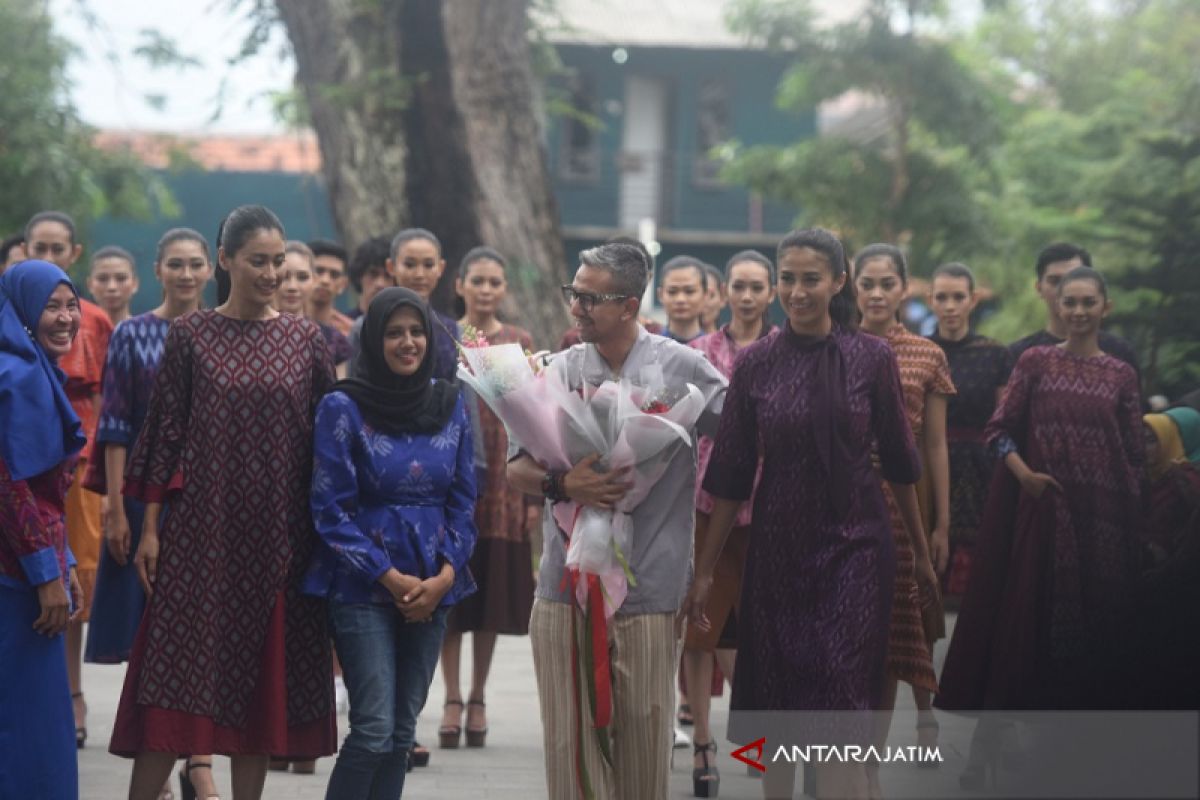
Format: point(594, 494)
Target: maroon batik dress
point(230, 658)
point(817, 590)
point(1049, 608)
point(502, 562)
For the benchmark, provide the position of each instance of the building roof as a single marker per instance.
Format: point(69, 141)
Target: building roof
point(292, 152)
point(660, 23)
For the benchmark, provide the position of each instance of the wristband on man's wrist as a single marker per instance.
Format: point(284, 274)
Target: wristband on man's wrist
point(553, 488)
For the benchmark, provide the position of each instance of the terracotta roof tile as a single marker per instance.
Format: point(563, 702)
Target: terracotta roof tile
point(233, 153)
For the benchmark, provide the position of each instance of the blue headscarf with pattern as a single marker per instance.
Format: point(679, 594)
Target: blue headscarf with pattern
point(38, 427)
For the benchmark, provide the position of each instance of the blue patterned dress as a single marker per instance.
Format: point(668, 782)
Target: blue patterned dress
point(382, 501)
point(134, 353)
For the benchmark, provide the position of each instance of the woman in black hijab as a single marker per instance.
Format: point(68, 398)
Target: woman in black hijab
point(393, 499)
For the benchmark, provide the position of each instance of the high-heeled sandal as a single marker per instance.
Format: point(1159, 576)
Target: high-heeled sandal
point(476, 737)
point(186, 790)
point(684, 715)
point(80, 730)
point(448, 735)
point(706, 780)
point(928, 724)
point(418, 756)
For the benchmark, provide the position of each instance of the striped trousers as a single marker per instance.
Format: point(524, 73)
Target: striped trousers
point(643, 656)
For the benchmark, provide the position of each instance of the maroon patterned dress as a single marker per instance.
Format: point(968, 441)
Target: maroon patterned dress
point(1049, 609)
point(230, 658)
point(502, 562)
point(817, 592)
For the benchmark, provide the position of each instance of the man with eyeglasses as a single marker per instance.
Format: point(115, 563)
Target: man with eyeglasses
point(605, 298)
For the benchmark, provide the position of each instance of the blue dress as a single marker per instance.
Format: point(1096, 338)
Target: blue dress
point(134, 354)
point(382, 501)
point(37, 727)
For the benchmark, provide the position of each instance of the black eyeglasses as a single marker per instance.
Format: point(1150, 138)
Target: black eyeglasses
point(587, 300)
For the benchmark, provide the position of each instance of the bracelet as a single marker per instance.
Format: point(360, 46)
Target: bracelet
point(552, 487)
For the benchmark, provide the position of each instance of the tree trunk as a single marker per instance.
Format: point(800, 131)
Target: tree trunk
point(440, 184)
point(348, 63)
point(425, 114)
point(493, 90)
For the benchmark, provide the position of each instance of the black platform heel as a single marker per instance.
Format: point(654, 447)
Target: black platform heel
point(186, 790)
point(706, 780)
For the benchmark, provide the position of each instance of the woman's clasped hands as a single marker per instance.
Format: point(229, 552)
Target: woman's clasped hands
point(415, 598)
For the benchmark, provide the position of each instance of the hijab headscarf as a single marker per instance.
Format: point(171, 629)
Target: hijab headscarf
point(38, 427)
point(391, 403)
point(1170, 444)
point(1188, 420)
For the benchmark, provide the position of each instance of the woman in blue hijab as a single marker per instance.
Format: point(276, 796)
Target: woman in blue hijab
point(40, 438)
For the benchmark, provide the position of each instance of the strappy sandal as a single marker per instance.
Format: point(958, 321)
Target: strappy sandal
point(418, 756)
point(476, 737)
point(186, 790)
point(923, 725)
point(448, 735)
point(706, 780)
point(684, 715)
point(80, 730)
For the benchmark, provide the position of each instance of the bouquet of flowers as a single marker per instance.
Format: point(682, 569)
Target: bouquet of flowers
point(640, 426)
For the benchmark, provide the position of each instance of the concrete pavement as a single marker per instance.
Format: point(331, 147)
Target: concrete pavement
point(510, 767)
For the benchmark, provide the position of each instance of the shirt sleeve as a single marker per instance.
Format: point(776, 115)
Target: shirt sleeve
point(355, 337)
point(116, 406)
point(1129, 421)
point(898, 458)
point(155, 465)
point(23, 530)
point(734, 460)
point(941, 381)
point(457, 541)
point(334, 496)
point(116, 409)
point(712, 384)
point(323, 376)
point(1008, 422)
point(1116, 346)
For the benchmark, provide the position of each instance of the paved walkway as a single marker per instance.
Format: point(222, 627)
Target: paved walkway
point(509, 767)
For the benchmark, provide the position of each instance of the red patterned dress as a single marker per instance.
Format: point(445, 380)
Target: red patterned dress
point(230, 657)
point(502, 562)
point(1048, 613)
point(923, 371)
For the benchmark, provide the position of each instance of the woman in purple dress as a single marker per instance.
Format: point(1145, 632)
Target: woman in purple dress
point(1049, 606)
point(817, 591)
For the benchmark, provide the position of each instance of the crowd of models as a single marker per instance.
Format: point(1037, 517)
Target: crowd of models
point(270, 510)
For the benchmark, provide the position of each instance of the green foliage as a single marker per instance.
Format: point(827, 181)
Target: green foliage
point(47, 159)
point(1052, 120)
point(160, 51)
point(1104, 152)
point(919, 177)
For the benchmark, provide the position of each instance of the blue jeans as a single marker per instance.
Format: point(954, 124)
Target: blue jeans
point(387, 664)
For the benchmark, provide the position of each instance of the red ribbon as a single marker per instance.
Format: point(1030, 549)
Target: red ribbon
point(601, 670)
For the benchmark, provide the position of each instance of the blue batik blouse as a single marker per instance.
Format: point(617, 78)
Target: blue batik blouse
point(382, 501)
